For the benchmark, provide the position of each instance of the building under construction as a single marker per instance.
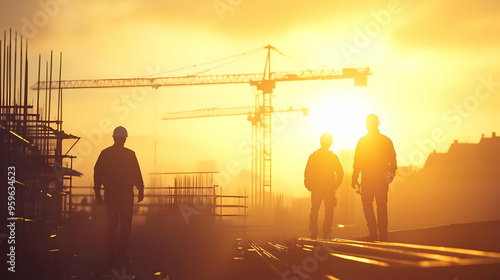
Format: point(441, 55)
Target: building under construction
point(189, 195)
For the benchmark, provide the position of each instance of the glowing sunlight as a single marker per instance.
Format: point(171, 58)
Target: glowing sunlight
point(343, 115)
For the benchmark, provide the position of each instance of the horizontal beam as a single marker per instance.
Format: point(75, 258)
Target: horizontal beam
point(222, 112)
point(359, 74)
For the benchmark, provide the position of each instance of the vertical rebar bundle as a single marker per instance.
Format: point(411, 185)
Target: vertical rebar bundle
point(31, 143)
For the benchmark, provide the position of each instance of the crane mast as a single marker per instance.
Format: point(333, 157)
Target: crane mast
point(255, 116)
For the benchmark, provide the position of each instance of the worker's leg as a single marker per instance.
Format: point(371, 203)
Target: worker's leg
point(125, 229)
point(313, 217)
point(112, 214)
point(330, 203)
point(367, 197)
point(381, 198)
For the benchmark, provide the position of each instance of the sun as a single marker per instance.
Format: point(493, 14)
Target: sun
point(342, 115)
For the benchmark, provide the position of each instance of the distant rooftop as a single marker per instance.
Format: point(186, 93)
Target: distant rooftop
point(487, 149)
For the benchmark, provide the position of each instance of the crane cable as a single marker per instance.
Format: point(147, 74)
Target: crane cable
point(291, 58)
point(245, 53)
point(298, 62)
point(209, 62)
point(237, 57)
point(218, 66)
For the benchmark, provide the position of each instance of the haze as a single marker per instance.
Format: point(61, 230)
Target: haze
point(435, 64)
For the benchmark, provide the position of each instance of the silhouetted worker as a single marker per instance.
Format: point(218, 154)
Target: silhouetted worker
point(375, 159)
point(118, 170)
point(322, 178)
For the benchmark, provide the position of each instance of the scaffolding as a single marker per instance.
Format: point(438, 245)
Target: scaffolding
point(184, 193)
point(31, 139)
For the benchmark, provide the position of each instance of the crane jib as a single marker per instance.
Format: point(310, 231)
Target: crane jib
point(358, 74)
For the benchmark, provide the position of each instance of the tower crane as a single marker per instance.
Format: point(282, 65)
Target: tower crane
point(264, 82)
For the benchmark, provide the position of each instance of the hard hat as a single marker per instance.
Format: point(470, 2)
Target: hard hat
point(326, 138)
point(372, 119)
point(120, 131)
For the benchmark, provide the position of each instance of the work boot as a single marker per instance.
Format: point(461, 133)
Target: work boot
point(327, 236)
point(369, 238)
point(383, 237)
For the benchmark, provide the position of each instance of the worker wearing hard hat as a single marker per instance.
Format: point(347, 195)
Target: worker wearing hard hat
point(375, 159)
point(322, 177)
point(117, 169)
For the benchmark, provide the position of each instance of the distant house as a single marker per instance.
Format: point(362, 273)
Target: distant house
point(459, 186)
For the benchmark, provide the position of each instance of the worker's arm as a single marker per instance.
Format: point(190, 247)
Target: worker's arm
point(393, 166)
point(391, 153)
point(98, 175)
point(357, 165)
point(307, 175)
point(138, 182)
point(339, 171)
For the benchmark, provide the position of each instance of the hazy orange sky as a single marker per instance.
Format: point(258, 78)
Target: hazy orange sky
point(435, 63)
